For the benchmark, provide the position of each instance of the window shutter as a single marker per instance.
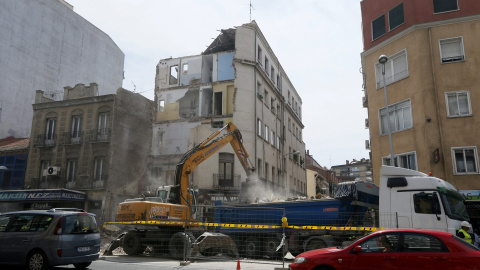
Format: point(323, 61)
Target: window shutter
point(451, 50)
point(400, 67)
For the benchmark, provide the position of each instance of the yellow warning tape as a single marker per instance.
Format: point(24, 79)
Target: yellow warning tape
point(248, 226)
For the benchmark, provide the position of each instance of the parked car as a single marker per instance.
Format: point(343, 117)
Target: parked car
point(395, 249)
point(43, 238)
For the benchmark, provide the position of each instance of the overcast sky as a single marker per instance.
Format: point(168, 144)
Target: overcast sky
point(318, 43)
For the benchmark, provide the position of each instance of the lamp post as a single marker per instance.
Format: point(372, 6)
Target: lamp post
point(382, 60)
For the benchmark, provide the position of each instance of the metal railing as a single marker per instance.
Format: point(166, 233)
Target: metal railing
point(100, 135)
point(82, 183)
point(43, 140)
point(226, 182)
point(72, 137)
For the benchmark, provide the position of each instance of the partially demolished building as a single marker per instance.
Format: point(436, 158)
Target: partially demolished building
point(236, 79)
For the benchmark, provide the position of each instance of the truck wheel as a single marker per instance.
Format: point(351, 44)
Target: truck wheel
point(315, 244)
point(270, 247)
point(132, 244)
point(252, 248)
point(181, 244)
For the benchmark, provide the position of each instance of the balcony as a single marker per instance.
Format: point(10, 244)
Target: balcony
point(100, 135)
point(72, 138)
point(45, 141)
point(82, 183)
point(226, 182)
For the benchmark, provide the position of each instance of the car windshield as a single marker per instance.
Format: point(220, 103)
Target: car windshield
point(80, 223)
point(465, 243)
point(348, 243)
point(453, 204)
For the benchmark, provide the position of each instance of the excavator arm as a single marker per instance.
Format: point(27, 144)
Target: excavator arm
point(206, 149)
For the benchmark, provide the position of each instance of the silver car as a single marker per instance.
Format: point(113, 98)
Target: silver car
point(43, 238)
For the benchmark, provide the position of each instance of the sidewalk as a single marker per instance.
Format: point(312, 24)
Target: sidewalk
point(166, 263)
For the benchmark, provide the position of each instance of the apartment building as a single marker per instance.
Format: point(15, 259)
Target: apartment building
point(45, 45)
point(236, 79)
point(432, 85)
point(354, 170)
point(96, 145)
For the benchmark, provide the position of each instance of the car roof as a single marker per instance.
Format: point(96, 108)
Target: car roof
point(53, 211)
point(431, 232)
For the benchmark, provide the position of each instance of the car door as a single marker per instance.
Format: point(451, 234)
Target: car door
point(378, 252)
point(17, 238)
point(4, 221)
point(423, 252)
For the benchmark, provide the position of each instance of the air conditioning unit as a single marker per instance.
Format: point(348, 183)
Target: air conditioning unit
point(367, 144)
point(54, 171)
point(367, 123)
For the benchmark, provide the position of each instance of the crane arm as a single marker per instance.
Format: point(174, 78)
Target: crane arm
point(206, 149)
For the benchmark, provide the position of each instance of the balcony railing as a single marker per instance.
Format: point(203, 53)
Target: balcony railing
point(100, 135)
point(72, 137)
point(226, 182)
point(82, 183)
point(43, 140)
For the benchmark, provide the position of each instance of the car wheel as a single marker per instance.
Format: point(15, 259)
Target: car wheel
point(37, 261)
point(132, 244)
point(81, 265)
point(252, 248)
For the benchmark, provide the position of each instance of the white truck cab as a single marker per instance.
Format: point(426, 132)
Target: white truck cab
point(411, 199)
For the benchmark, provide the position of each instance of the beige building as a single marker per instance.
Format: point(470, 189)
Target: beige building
point(432, 85)
point(236, 79)
point(94, 144)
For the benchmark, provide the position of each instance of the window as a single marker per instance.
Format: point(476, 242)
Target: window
point(266, 133)
point(99, 169)
point(50, 129)
point(278, 142)
point(451, 50)
point(381, 243)
point(444, 5)
point(161, 105)
point(458, 103)
point(266, 99)
point(288, 99)
point(278, 109)
point(395, 16)
point(378, 27)
point(426, 203)
point(272, 74)
point(396, 68)
point(185, 68)
point(465, 160)
point(76, 128)
point(173, 75)
point(267, 169)
point(272, 138)
point(225, 170)
point(43, 168)
point(272, 104)
point(400, 117)
point(407, 160)
point(416, 242)
point(259, 126)
point(71, 170)
point(289, 124)
point(259, 167)
point(102, 133)
point(266, 64)
point(259, 54)
point(278, 81)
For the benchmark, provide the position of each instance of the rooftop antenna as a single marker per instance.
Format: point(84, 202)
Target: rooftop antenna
point(251, 7)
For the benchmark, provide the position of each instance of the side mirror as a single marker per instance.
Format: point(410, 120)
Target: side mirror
point(357, 249)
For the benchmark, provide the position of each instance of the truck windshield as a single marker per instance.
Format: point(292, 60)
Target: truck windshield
point(453, 204)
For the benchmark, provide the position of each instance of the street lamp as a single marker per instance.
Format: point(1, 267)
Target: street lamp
point(382, 60)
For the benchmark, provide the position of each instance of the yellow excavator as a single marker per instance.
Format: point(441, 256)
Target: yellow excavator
point(159, 222)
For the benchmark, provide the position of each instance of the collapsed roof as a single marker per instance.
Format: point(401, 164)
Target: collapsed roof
point(224, 42)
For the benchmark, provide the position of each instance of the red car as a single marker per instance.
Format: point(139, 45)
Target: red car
point(395, 249)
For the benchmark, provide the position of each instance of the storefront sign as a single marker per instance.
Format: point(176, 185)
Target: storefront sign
point(470, 195)
point(43, 195)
